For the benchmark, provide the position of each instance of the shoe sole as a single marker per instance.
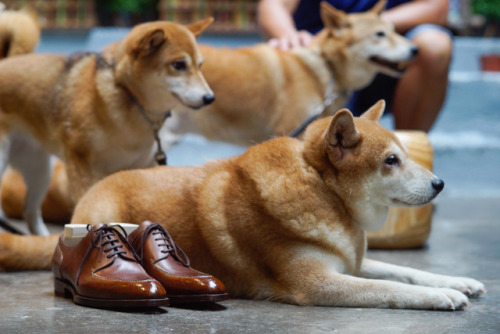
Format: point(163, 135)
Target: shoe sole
point(65, 289)
point(192, 299)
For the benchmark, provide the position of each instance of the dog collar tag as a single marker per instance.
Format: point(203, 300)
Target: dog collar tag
point(161, 158)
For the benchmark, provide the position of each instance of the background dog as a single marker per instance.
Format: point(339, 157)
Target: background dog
point(98, 114)
point(285, 221)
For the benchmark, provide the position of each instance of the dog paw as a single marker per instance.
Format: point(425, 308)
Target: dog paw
point(449, 300)
point(468, 286)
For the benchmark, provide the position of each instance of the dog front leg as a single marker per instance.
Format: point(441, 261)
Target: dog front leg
point(335, 289)
point(380, 270)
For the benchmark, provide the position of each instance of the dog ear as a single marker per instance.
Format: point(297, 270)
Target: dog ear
point(333, 18)
point(375, 112)
point(198, 27)
point(150, 42)
point(342, 134)
point(379, 7)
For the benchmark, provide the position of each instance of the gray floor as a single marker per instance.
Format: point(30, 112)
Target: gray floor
point(464, 240)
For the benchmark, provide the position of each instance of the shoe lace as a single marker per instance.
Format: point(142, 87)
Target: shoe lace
point(163, 239)
point(111, 237)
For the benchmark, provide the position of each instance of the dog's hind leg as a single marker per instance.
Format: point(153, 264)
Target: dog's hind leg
point(33, 161)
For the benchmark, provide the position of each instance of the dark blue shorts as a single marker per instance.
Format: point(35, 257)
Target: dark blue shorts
point(383, 86)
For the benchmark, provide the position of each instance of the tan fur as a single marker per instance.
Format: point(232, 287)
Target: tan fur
point(81, 107)
point(286, 220)
point(19, 33)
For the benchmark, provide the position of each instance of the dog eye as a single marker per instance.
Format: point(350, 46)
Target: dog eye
point(179, 65)
point(392, 160)
point(380, 33)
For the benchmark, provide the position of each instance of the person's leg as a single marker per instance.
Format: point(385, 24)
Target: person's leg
point(420, 92)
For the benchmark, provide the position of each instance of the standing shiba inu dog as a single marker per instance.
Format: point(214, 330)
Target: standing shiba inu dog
point(285, 221)
point(263, 92)
point(98, 114)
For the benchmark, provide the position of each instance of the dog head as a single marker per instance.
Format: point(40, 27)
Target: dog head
point(362, 44)
point(367, 166)
point(159, 62)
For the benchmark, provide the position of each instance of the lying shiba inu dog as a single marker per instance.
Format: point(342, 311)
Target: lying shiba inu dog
point(98, 114)
point(285, 221)
point(19, 32)
point(262, 92)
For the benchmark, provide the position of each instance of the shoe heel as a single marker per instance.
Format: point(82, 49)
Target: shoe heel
point(61, 289)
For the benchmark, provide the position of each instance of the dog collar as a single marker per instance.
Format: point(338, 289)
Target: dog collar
point(160, 155)
point(330, 95)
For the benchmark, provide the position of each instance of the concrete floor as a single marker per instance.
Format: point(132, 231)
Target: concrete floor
point(463, 242)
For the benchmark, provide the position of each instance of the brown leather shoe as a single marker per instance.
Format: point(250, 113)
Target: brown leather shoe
point(102, 271)
point(166, 262)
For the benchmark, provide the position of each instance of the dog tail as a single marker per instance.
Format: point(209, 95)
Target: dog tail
point(20, 33)
point(32, 252)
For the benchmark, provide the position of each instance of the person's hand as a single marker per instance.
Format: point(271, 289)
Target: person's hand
point(292, 41)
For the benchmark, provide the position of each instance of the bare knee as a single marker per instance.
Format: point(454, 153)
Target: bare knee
point(435, 48)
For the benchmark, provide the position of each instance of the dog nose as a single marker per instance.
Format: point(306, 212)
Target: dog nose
point(208, 98)
point(414, 51)
point(438, 185)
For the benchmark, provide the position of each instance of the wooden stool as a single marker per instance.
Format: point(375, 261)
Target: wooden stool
point(407, 227)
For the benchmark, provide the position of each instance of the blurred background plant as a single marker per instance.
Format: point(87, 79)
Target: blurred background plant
point(490, 10)
point(125, 12)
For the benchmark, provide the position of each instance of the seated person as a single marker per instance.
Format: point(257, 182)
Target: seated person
point(416, 98)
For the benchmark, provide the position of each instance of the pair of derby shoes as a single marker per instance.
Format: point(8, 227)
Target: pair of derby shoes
point(109, 269)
